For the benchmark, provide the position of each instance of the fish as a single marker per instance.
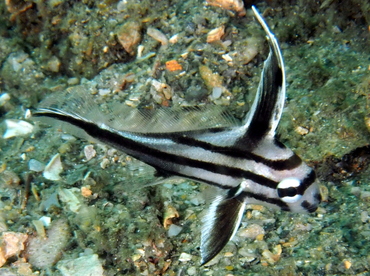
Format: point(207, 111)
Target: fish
point(244, 160)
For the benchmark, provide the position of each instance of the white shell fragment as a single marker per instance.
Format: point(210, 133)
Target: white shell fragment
point(53, 168)
point(216, 34)
point(16, 128)
point(68, 196)
point(185, 257)
point(45, 221)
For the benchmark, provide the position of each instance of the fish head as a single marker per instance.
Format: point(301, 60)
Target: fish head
point(299, 195)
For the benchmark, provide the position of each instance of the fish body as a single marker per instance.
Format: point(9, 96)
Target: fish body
point(247, 162)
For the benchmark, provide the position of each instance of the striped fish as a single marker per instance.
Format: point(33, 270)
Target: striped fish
point(246, 162)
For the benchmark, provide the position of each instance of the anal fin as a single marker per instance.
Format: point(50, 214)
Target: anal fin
point(221, 223)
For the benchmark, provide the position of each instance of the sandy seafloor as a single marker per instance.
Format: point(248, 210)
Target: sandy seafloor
point(103, 220)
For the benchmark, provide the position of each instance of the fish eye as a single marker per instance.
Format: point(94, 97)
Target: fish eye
point(287, 190)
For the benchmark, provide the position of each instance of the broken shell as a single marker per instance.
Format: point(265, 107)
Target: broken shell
point(212, 80)
point(53, 168)
point(250, 50)
point(216, 34)
point(231, 5)
point(68, 196)
point(129, 36)
point(17, 127)
point(161, 92)
point(157, 35)
point(169, 214)
point(174, 39)
point(17, 7)
point(270, 257)
point(302, 130)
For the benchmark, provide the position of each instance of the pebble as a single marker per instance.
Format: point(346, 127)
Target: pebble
point(252, 231)
point(174, 230)
point(9, 178)
point(192, 270)
point(73, 81)
point(35, 165)
point(185, 257)
point(104, 92)
point(231, 5)
point(364, 216)
point(157, 35)
point(347, 264)
point(53, 64)
point(104, 163)
point(216, 34)
point(89, 152)
point(216, 92)
point(12, 245)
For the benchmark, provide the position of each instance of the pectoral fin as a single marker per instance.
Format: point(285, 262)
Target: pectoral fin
point(221, 223)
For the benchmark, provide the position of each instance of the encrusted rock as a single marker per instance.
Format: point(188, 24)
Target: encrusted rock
point(129, 35)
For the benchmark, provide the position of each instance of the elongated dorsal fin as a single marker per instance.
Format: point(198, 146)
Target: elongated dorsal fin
point(264, 116)
point(79, 103)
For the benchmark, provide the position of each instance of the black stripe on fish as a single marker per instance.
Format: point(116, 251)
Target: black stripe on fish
point(278, 165)
point(306, 182)
point(275, 201)
point(102, 134)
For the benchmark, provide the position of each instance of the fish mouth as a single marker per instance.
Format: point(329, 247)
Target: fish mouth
point(312, 208)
